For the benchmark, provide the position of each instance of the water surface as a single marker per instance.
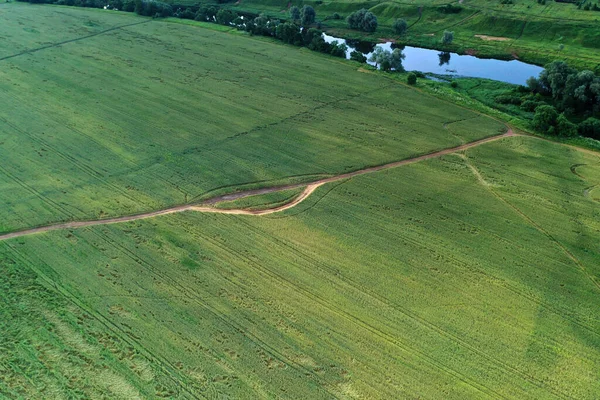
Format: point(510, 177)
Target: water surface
point(444, 63)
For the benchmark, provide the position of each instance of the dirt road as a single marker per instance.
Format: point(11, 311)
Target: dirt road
point(206, 205)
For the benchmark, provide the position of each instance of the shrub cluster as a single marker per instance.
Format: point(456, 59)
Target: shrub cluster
point(400, 26)
point(564, 101)
point(562, 91)
point(387, 60)
point(363, 20)
point(589, 7)
point(291, 33)
point(334, 16)
point(450, 9)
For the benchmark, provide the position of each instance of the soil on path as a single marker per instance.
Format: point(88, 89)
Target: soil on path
point(207, 208)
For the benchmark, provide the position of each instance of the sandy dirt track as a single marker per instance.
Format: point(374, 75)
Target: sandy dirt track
point(207, 208)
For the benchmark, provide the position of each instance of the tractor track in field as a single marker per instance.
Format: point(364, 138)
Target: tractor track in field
point(537, 226)
point(49, 46)
point(207, 206)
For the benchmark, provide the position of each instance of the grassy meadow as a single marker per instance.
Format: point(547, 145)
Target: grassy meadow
point(467, 277)
point(157, 114)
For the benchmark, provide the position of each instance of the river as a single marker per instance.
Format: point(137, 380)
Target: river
point(444, 63)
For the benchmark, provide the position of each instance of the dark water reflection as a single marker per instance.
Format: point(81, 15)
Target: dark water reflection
point(445, 63)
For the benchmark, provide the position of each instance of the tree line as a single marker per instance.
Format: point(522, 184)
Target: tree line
point(565, 102)
point(562, 94)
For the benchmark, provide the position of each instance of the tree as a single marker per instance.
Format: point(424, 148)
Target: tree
point(358, 56)
point(387, 60)
point(529, 105)
point(534, 85)
point(582, 92)
point(153, 9)
point(396, 60)
point(564, 127)
point(545, 118)
point(411, 79)
point(447, 37)
point(289, 32)
point(225, 17)
point(400, 26)
point(363, 20)
point(369, 23)
point(450, 9)
point(205, 13)
point(262, 25)
point(313, 39)
point(379, 56)
point(444, 58)
point(590, 128)
point(361, 45)
point(187, 14)
point(338, 49)
point(295, 13)
point(554, 78)
point(307, 15)
point(129, 6)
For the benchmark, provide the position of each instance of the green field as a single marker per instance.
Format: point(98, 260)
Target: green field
point(467, 276)
point(158, 114)
point(427, 281)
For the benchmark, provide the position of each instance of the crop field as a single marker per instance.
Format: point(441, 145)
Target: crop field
point(156, 114)
point(475, 275)
point(262, 201)
point(465, 275)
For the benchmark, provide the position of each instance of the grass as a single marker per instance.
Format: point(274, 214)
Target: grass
point(462, 277)
point(156, 114)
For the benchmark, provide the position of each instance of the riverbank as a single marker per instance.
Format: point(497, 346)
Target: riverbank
point(517, 33)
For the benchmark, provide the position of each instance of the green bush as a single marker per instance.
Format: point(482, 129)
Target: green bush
point(411, 79)
point(225, 17)
point(358, 56)
point(590, 128)
point(400, 26)
point(529, 105)
point(447, 37)
point(545, 118)
point(333, 16)
point(450, 9)
point(564, 127)
point(363, 20)
point(508, 99)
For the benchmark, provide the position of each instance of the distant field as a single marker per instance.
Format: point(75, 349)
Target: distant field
point(157, 114)
point(455, 278)
point(528, 30)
